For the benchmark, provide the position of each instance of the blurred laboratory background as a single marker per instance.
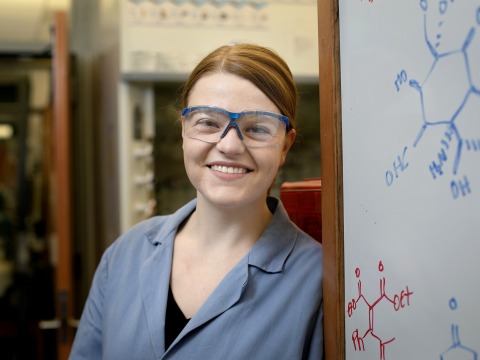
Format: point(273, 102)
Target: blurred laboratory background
point(90, 140)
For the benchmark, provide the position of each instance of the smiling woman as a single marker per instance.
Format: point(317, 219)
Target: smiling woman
point(172, 186)
point(228, 275)
point(231, 149)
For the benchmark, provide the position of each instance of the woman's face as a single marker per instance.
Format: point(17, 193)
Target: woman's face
point(228, 173)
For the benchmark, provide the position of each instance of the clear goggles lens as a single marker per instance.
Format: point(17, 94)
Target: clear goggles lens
point(254, 128)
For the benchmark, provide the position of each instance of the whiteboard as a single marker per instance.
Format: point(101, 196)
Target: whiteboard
point(410, 80)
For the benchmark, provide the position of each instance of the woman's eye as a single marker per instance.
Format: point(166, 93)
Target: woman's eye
point(207, 122)
point(258, 130)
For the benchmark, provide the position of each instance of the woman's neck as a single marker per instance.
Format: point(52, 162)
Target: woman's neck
point(227, 228)
point(210, 243)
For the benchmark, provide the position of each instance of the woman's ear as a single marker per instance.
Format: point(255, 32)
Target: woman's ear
point(289, 139)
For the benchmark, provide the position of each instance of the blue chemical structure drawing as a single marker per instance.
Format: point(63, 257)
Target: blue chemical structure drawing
point(457, 350)
point(383, 302)
point(451, 85)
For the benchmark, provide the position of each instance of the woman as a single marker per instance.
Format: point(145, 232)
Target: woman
point(227, 276)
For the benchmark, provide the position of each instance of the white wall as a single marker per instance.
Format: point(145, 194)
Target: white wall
point(25, 24)
point(164, 38)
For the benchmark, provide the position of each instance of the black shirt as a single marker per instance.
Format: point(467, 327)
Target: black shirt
point(175, 321)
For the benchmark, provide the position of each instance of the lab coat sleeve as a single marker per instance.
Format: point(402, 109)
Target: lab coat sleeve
point(316, 345)
point(88, 339)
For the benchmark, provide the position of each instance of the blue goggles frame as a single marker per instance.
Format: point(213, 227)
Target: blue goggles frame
point(235, 116)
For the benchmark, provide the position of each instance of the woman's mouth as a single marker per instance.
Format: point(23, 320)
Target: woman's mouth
point(228, 169)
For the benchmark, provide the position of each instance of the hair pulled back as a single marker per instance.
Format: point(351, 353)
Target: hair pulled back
point(259, 65)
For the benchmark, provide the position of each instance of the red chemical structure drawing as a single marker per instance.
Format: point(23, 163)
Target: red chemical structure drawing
point(393, 302)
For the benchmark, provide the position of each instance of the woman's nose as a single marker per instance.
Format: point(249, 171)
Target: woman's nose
point(231, 142)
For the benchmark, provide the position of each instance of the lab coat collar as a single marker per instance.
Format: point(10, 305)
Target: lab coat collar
point(269, 252)
point(272, 249)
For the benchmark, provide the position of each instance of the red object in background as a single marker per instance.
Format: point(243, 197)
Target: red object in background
point(302, 200)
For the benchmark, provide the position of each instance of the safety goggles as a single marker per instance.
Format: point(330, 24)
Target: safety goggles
point(254, 127)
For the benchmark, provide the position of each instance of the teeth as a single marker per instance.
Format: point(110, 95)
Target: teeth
point(229, 170)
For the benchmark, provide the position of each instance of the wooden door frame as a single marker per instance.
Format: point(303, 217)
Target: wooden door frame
point(62, 184)
point(332, 178)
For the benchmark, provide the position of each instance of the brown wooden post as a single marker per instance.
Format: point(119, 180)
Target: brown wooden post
point(62, 187)
point(332, 178)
